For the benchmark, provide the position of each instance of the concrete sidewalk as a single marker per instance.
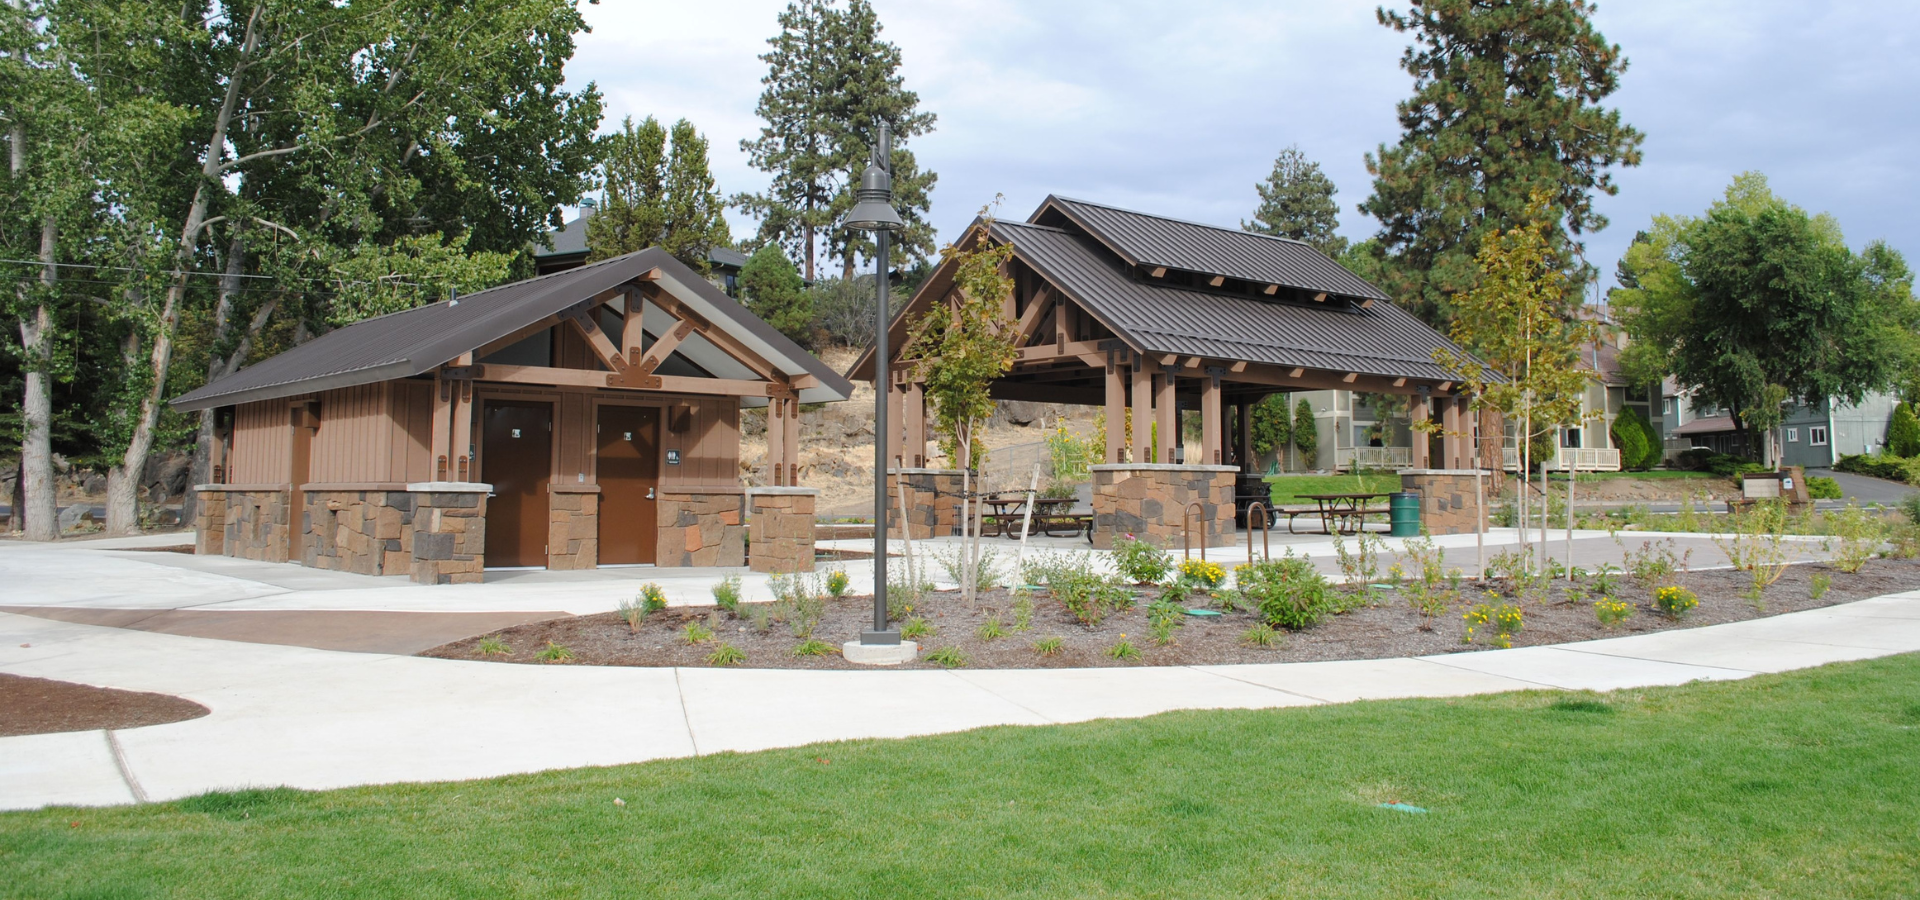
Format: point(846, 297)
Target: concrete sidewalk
point(321, 719)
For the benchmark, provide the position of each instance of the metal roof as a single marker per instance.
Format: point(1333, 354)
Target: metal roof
point(1381, 339)
point(1148, 240)
point(419, 340)
point(571, 240)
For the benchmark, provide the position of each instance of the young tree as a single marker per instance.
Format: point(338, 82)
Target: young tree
point(962, 348)
point(1506, 102)
point(1758, 303)
point(774, 292)
point(1903, 432)
point(656, 196)
point(1306, 434)
point(829, 77)
point(1272, 425)
point(1296, 201)
point(695, 213)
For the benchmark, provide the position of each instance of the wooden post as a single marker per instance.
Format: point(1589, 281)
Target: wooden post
point(896, 416)
point(776, 436)
point(1245, 437)
point(914, 453)
point(791, 446)
point(1116, 411)
point(463, 432)
point(442, 429)
point(1417, 413)
point(1210, 437)
point(1142, 408)
point(1451, 456)
point(1166, 414)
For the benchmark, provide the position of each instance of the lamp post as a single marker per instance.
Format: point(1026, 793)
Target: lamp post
point(874, 212)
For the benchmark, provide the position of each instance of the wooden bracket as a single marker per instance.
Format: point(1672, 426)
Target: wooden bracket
point(460, 373)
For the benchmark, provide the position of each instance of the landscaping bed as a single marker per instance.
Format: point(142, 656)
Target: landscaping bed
point(1382, 625)
point(45, 706)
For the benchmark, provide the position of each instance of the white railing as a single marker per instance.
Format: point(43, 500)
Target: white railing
point(1581, 459)
point(1373, 458)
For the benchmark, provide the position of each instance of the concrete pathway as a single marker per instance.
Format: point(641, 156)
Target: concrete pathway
point(318, 718)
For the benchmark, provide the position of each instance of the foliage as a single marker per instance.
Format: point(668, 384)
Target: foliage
point(726, 593)
point(553, 652)
point(373, 279)
point(991, 629)
point(1754, 542)
point(725, 654)
point(1505, 109)
point(963, 349)
point(1674, 600)
point(987, 569)
point(1069, 456)
point(1140, 560)
point(838, 583)
point(1207, 575)
point(1260, 635)
point(1271, 424)
point(1501, 620)
point(1724, 465)
point(812, 647)
point(1296, 201)
point(842, 311)
point(1022, 610)
point(1820, 487)
point(1818, 584)
point(1757, 303)
point(916, 628)
point(1639, 444)
point(1123, 649)
point(948, 657)
point(696, 633)
point(1860, 535)
point(633, 610)
point(1360, 566)
point(1891, 468)
point(653, 598)
point(1654, 564)
point(493, 646)
point(1305, 434)
point(1089, 598)
point(656, 197)
point(1430, 589)
point(1048, 646)
point(774, 292)
point(829, 78)
point(1287, 592)
point(1903, 432)
point(1611, 612)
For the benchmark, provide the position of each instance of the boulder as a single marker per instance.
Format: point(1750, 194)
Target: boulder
point(72, 516)
point(94, 483)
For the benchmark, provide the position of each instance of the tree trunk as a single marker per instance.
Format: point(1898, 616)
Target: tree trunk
point(806, 236)
point(217, 368)
point(37, 493)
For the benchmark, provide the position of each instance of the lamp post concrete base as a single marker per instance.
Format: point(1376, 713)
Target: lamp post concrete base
point(880, 654)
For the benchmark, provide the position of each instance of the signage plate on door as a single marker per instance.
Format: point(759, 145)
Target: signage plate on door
point(673, 457)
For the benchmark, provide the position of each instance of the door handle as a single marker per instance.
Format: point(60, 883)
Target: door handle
point(649, 493)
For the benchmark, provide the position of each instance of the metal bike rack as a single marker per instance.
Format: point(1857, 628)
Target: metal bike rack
point(1186, 531)
point(1266, 548)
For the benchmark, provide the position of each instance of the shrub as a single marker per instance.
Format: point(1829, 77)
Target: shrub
point(1861, 535)
point(553, 652)
point(1090, 598)
point(1903, 432)
point(1207, 575)
point(950, 657)
point(990, 630)
point(1817, 587)
point(1675, 601)
point(1140, 560)
point(634, 611)
point(1306, 434)
point(1634, 435)
point(653, 598)
point(1700, 459)
point(726, 593)
point(1891, 468)
point(1820, 487)
point(1502, 620)
point(1288, 592)
point(1259, 636)
point(838, 583)
point(1611, 612)
point(1022, 610)
point(726, 655)
point(1048, 646)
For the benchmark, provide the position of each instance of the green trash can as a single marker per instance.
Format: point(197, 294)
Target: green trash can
point(1403, 511)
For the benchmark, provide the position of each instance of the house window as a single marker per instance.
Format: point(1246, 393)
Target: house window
point(1793, 435)
point(1817, 435)
point(1572, 438)
point(1666, 406)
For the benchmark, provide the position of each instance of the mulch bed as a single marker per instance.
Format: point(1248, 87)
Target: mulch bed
point(45, 706)
point(1389, 627)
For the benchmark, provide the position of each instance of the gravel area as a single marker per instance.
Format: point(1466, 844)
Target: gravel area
point(1386, 627)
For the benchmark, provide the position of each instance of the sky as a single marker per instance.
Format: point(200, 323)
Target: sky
point(1179, 108)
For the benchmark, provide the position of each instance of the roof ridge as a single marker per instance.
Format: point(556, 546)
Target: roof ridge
point(1148, 215)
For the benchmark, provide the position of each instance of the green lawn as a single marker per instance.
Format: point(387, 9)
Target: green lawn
point(1287, 489)
point(1795, 786)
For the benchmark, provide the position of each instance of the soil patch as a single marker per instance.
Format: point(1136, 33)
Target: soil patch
point(1386, 627)
point(45, 706)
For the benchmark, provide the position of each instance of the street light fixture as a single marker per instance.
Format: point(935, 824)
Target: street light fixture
point(874, 212)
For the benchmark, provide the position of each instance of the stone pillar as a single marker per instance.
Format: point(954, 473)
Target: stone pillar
point(449, 532)
point(1446, 498)
point(780, 529)
point(210, 520)
point(573, 526)
point(1151, 499)
point(933, 502)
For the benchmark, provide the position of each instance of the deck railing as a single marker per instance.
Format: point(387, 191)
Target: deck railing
point(1373, 457)
point(1581, 459)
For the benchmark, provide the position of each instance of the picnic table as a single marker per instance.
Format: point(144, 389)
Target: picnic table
point(1345, 512)
point(1005, 511)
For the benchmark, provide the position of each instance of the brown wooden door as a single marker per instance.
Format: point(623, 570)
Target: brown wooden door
point(516, 454)
point(629, 475)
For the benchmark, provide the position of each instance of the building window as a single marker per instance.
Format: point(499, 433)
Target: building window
point(1666, 406)
point(1793, 435)
point(1572, 438)
point(1817, 435)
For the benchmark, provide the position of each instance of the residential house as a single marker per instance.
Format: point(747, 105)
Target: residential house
point(570, 250)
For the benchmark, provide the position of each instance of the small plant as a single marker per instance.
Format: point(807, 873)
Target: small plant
point(811, 647)
point(1816, 588)
point(1123, 650)
point(633, 611)
point(1048, 646)
point(1022, 610)
point(490, 646)
point(1140, 560)
point(1288, 592)
point(1090, 598)
point(726, 593)
point(1674, 600)
point(1654, 564)
point(1361, 566)
point(1606, 580)
point(949, 657)
point(1162, 632)
point(1201, 573)
point(761, 615)
point(1501, 619)
point(838, 583)
point(987, 573)
point(696, 633)
point(991, 629)
point(653, 598)
point(1611, 612)
point(806, 615)
point(553, 652)
point(916, 628)
point(1861, 535)
point(726, 654)
point(1259, 636)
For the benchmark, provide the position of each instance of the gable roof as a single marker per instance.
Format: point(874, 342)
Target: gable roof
point(1158, 318)
point(1142, 239)
point(570, 239)
point(417, 341)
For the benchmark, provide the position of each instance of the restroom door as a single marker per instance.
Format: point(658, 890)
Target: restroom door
point(629, 475)
point(516, 456)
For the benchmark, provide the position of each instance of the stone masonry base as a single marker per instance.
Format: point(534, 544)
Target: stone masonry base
point(1151, 500)
point(933, 502)
point(1446, 498)
point(781, 529)
point(700, 530)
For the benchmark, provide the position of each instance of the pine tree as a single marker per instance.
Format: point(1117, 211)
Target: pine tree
point(774, 292)
point(693, 209)
point(873, 91)
point(1296, 201)
point(1506, 102)
point(633, 165)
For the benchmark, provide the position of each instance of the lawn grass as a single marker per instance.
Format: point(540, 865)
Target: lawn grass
point(1793, 786)
point(1287, 489)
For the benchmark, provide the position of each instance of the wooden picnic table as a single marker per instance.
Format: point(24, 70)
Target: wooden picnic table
point(1005, 511)
point(1345, 512)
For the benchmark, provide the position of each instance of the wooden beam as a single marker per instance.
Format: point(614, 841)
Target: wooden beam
point(1240, 366)
point(439, 464)
point(655, 355)
point(1116, 406)
point(1366, 304)
point(1142, 409)
point(1216, 281)
point(1169, 359)
point(1320, 297)
point(1045, 352)
point(679, 384)
point(1166, 415)
point(1042, 300)
point(1297, 372)
point(714, 335)
point(1399, 382)
point(602, 345)
point(1210, 421)
point(1193, 362)
point(1158, 272)
point(1350, 376)
point(1271, 290)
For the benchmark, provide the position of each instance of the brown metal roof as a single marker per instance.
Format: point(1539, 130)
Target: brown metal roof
point(1157, 318)
point(416, 341)
point(1705, 425)
point(1148, 240)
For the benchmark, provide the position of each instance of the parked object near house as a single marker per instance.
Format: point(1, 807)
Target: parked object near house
point(1181, 325)
point(583, 418)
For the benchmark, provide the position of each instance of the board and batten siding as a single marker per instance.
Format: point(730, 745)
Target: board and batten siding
point(709, 448)
point(262, 443)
